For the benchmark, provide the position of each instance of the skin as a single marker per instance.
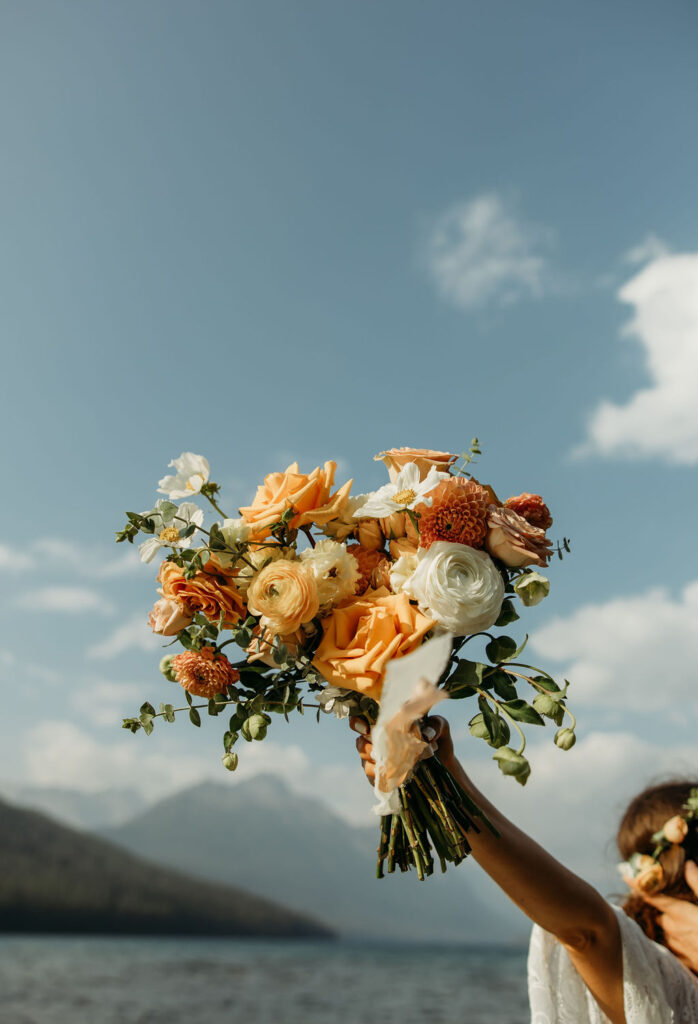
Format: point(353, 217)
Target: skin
point(545, 890)
point(679, 920)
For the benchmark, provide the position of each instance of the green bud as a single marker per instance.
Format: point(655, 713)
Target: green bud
point(511, 763)
point(531, 588)
point(255, 727)
point(165, 667)
point(546, 705)
point(565, 739)
point(478, 728)
point(230, 761)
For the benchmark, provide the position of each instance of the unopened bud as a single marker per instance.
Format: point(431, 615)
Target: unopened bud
point(565, 739)
point(230, 761)
point(255, 727)
point(531, 588)
point(165, 667)
point(511, 763)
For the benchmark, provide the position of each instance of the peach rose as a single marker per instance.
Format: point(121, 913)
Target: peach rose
point(285, 595)
point(514, 541)
point(168, 617)
point(362, 636)
point(649, 875)
point(369, 534)
point(424, 458)
point(675, 830)
point(211, 592)
point(308, 494)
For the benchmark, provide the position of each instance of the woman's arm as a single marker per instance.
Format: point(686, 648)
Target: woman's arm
point(551, 895)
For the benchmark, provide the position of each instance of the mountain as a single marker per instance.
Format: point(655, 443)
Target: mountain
point(55, 879)
point(91, 811)
point(262, 837)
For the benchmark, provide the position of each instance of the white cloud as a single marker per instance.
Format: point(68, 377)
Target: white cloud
point(650, 248)
point(106, 702)
point(636, 652)
point(132, 635)
point(479, 252)
point(660, 420)
point(64, 600)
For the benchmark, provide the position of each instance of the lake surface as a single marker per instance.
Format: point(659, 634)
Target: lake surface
point(95, 980)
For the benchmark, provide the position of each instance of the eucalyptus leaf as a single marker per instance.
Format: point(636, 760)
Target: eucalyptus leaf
point(194, 717)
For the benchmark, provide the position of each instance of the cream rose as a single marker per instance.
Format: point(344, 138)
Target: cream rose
point(458, 586)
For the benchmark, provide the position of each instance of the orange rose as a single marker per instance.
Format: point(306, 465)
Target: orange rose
point(285, 595)
point(362, 636)
point(424, 458)
point(210, 592)
point(168, 617)
point(308, 494)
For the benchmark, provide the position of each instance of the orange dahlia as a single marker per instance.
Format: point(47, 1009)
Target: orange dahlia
point(369, 561)
point(204, 673)
point(532, 508)
point(458, 514)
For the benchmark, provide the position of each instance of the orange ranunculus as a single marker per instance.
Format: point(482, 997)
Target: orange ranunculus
point(308, 494)
point(168, 617)
point(424, 458)
point(211, 592)
point(532, 508)
point(362, 636)
point(285, 595)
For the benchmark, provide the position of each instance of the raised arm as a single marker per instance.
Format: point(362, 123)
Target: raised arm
point(547, 892)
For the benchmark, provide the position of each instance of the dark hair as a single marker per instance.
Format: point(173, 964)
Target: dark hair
point(646, 815)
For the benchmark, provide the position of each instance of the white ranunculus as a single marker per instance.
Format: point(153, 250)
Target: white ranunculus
point(192, 473)
point(169, 529)
point(458, 586)
point(406, 491)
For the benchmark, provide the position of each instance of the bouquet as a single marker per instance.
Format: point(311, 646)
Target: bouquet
point(358, 604)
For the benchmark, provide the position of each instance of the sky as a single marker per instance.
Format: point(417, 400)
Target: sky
point(315, 230)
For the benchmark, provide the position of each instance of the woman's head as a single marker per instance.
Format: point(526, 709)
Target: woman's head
point(646, 815)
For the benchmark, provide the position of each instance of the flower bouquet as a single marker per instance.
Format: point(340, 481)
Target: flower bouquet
point(362, 605)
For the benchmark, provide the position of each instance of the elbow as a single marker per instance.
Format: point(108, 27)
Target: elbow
point(584, 939)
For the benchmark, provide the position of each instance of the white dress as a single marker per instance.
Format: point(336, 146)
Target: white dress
point(657, 988)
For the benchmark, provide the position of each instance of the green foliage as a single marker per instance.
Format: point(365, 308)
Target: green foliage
point(168, 712)
point(504, 648)
point(522, 712)
point(502, 683)
point(508, 614)
point(194, 717)
point(514, 764)
point(464, 677)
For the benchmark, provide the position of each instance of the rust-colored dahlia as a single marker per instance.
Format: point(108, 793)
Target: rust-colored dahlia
point(532, 508)
point(458, 513)
point(368, 560)
point(204, 673)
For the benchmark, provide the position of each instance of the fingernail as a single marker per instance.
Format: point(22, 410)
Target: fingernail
point(361, 727)
point(429, 732)
point(434, 748)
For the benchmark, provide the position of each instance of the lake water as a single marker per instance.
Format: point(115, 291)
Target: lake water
point(88, 980)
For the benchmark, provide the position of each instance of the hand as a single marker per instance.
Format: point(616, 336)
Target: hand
point(679, 920)
point(435, 731)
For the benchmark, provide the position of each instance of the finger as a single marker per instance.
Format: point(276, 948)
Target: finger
point(370, 769)
point(690, 873)
point(663, 903)
point(359, 725)
point(365, 748)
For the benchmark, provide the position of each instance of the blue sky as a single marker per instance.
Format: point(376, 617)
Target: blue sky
point(263, 231)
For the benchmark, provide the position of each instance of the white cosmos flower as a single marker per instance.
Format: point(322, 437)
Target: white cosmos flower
point(458, 586)
point(235, 532)
point(193, 472)
point(168, 530)
point(406, 491)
